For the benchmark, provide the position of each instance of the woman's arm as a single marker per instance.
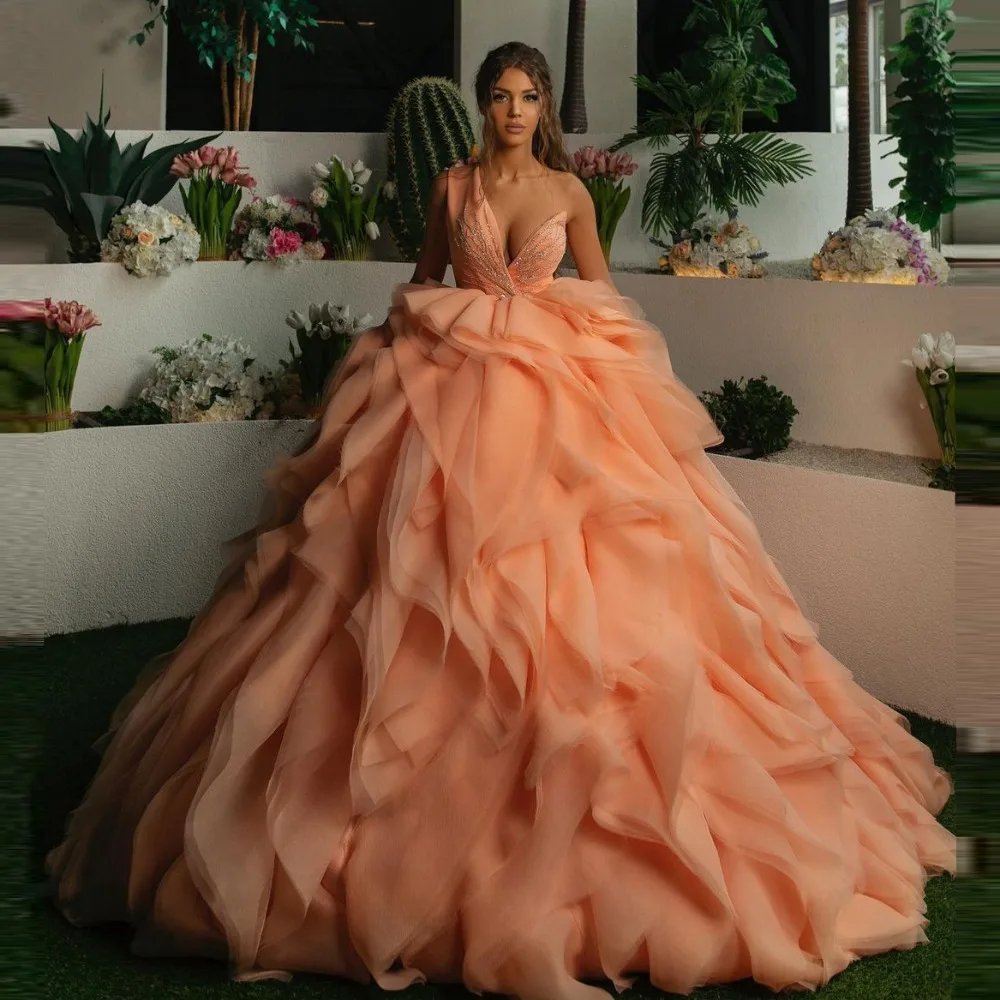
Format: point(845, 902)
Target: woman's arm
point(581, 233)
point(435, 252)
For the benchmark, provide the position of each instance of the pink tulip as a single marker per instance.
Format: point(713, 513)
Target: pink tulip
point(222, 160)
point(214, 172)
point(70, 318)
point(180, 167)
point(13, 310)
point(245, 180)
point(207, 154)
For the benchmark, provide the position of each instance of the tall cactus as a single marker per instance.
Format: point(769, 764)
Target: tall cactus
point(427, 130)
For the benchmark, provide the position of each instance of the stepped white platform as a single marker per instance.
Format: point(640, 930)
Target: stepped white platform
point(128, 524)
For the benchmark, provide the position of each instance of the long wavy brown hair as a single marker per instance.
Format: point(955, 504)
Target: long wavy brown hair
point(547, 143)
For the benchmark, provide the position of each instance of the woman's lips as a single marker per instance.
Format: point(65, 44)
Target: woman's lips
point(514, 128)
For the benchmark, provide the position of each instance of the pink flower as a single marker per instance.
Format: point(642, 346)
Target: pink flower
point(13, 310)
point(214, 172)
point(180, 167)
point(70, 318)
point(222, 158)
point(282, 243)
point(245, 180)
point(207, 154)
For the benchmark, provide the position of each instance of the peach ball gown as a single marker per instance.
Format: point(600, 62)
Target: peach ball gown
point(504, 689)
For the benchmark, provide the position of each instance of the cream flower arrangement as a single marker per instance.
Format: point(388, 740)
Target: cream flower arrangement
point(205, 380)
point(276, 228)
point(878, 247)
point(150, 240)
point(713, 248)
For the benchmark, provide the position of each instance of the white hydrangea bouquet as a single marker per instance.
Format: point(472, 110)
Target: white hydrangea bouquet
point(349, 214)
point(276, 228)
point(879, 248)
point(149, 240)
point(933, 361)
point(712, 248)
point(204, 381)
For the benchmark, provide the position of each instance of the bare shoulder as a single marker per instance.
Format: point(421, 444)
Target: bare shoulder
point(574, 192)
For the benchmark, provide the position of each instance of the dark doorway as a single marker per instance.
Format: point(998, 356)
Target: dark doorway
point(365, 51)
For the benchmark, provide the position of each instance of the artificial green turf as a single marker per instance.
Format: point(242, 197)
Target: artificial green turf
point(58, 698)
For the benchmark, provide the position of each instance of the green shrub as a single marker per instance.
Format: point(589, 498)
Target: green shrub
point(756, 416)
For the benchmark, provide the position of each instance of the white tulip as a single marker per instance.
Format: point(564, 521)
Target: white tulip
point(315, 314)
point(324, 331)
point(350, 175)
point(321, 170)
point(330, 312)
point(364, 322)
point(356, 188)
point(389, 190)
point(921, 359)
point(372, 230)
point(944, 352)
point(357, 166)
point(362, 176)
point(319, 197)
point(296, 320)
point(339, 325)
point(926, 343)
point(345, 313)
point(939, 377)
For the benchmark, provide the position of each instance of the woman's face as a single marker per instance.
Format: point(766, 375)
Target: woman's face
point(515, 108)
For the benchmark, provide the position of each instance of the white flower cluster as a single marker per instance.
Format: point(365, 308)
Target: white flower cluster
point(934, 356)
point(357, 176)
point(205, 380)
point(880, 243)
point(150, 240)
point(326, 320)
point(712, 244)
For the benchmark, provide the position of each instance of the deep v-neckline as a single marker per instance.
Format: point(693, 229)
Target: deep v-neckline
point(501, 243)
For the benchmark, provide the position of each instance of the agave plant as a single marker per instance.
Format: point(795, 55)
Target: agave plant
point(703, 160)
point(85, 181)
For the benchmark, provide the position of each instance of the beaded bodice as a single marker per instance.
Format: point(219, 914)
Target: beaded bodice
point(477, 251)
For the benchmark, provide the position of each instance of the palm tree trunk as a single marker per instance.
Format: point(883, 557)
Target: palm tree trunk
point(573, 110)
point(859, 118)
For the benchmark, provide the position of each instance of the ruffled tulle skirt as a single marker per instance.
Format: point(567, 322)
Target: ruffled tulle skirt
point(504, 689)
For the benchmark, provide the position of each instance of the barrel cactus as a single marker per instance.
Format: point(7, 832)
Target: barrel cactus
point(428, 129)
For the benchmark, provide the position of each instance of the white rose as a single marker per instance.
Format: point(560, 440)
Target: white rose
point(389, 190)
point(321, 170)
point(372, 230)
point(319, 197)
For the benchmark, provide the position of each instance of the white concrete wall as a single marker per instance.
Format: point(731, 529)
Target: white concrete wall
point(52, 55)
point(836, 349)
point(792, 222)
point(609, 50)
point(134, 517)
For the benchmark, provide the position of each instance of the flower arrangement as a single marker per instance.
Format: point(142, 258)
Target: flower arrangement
point(150, 240)
point(217, 181)
point(44, 340)
point(603, 174)
point(878, 247)
point(933, 360)
point(712, 248)
point(204, 380)
point(348, 217)
point(275, 228)
point(324, 338)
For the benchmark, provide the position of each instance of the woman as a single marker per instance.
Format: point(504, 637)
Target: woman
point(505, 689)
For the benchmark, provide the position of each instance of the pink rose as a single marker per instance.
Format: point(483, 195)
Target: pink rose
point(283, 242)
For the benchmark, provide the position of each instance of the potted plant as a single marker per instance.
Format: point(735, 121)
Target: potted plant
point(703, 160)
point(87, 180)
point(755, 418)
point(43, 340)
point(216, 182)
point(922, 119)
point(227, 35)
point(933, 362)
point(603, 174)
point(349, 216)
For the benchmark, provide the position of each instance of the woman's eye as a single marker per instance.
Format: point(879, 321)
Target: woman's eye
point(499, 97)
point(531, 97)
